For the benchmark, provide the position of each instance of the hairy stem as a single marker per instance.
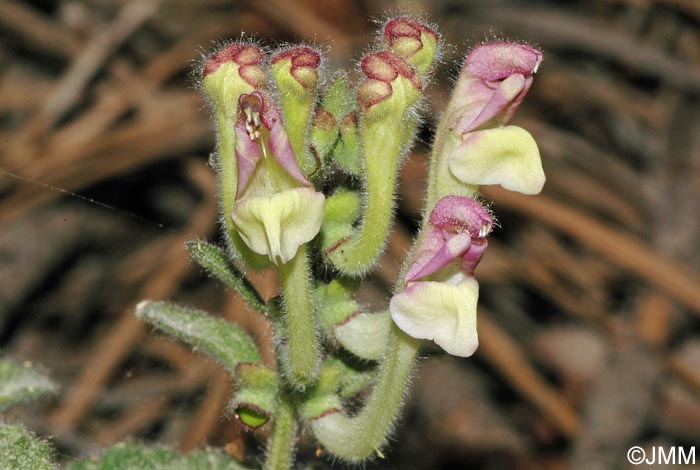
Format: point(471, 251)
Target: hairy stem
point(302, 361)
point(280, 446)
point(356, 438)
point(383, 145)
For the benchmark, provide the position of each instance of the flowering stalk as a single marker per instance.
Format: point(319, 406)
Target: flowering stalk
point(302, 356)
point(280, 148)
point(358, 438)
point(436, 293)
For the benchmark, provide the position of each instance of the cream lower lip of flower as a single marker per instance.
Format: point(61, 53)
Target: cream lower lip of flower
point(277, 210)
point(277, 225)
point(507, 156)
point(439, 302)
point(444, 312)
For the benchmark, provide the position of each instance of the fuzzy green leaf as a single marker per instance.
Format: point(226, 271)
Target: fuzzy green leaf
point(130, 456)
point(220, 339)
point(217, 263)
point(19, 383)
point(20, 450)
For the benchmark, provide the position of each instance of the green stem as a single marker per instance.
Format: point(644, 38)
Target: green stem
point(383, 144)
point(441, 181)
point(280, 446)
point(302, 361)
point(355, 439)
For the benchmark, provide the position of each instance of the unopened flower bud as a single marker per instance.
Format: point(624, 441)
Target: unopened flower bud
point(385, 98)
point(232, 71)
point(301, 63)
point(390, 81)
point(296, 74)
point(413, 41)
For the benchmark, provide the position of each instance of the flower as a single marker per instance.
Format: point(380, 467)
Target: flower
point(478, 148)
point(439, 302)
point(276, 208)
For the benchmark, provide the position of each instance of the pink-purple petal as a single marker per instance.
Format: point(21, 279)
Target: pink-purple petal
point(248, 156)
point(463, 213)
point(280, 147)
point(502, 102)
point(472, 256)
point(450, 249)
point(497, 60)
point(494, 80)
point(456, 224)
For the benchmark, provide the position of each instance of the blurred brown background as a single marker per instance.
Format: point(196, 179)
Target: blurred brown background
point(589, 328)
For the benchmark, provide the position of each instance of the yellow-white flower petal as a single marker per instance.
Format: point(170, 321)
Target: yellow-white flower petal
point(277, 225)
point(444, 312)
point(506, 156)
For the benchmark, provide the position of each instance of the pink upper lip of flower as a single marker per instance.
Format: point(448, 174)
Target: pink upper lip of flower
point(457, 230)
point(496, 61)
point(249, 150)
point(386, 66)
point(462, 214)
point(301, 58)
point(494, 81)
point(406, 27)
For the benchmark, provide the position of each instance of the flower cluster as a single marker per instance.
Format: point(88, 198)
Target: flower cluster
point(307, 169)
point(473, 147)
